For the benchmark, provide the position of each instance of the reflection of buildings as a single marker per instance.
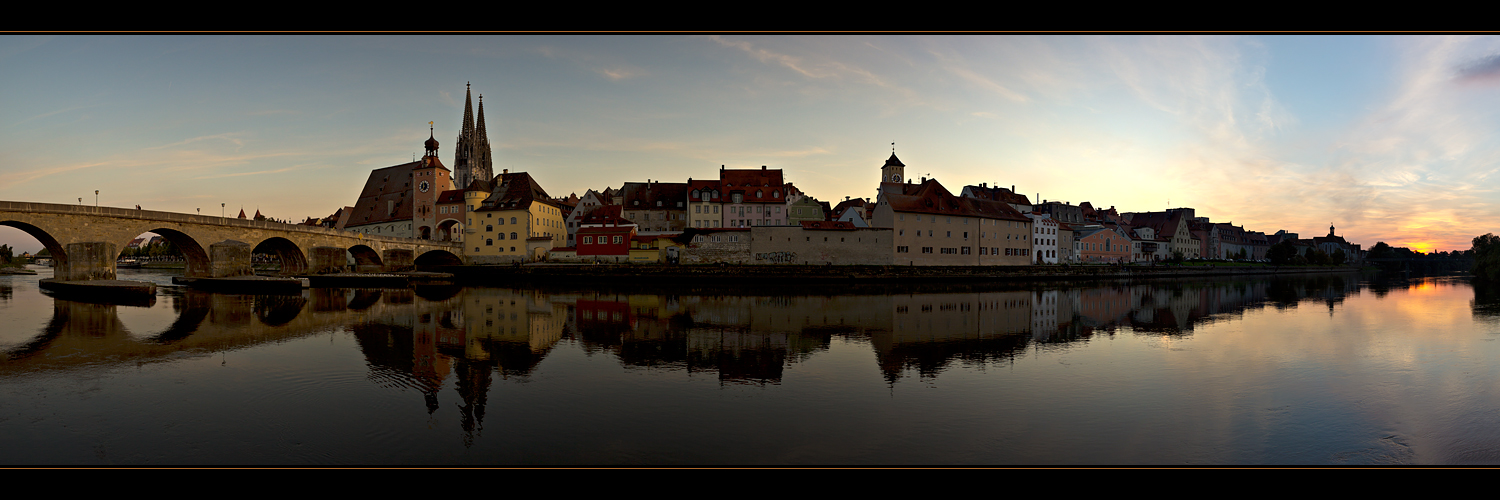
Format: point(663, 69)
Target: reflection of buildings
point(422, 339)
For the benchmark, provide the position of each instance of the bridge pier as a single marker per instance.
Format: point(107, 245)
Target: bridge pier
point(398, 260)
point(92, 260)
point(229, 258)
point(328, 260)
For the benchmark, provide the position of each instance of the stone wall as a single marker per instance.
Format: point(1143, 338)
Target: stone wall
point(796, 245)
point(713, 247)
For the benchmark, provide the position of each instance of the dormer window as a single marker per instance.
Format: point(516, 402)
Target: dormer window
point(695, 194)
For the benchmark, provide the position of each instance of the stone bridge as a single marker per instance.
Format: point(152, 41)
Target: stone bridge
point(85, 241)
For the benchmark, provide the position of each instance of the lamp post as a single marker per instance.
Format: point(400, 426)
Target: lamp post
point(221, 210)
point(96, 197)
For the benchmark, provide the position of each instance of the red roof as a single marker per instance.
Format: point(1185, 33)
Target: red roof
point(930, 197)
point(756, 186)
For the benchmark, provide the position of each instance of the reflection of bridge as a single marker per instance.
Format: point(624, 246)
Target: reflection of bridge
point(84, 242)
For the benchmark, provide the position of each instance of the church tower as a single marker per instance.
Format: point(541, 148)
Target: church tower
point(471, 158)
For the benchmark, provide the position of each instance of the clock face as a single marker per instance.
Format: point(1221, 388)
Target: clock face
point(894, 178)
point(423, 186)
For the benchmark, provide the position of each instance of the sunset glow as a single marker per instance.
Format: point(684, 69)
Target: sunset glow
point(1390, 138)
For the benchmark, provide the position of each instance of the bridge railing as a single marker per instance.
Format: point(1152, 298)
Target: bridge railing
point(208, 220)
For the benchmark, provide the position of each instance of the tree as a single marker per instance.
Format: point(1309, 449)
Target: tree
point(1282, 253)
point(1338, 257)
point(1487, 258)
point(1381, 251)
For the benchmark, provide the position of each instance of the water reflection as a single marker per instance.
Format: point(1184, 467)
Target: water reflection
point(452, 349)
point(417, 338)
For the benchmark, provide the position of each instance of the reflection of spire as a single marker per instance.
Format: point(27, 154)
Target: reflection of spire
point(473, 386)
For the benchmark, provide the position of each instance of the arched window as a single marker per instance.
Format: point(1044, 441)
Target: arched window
point(489, 243)
point(489, 229)
point(512, 235)
point(512, 220)
point(502, 236)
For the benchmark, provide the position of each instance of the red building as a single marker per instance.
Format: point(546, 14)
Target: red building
point(605, 241)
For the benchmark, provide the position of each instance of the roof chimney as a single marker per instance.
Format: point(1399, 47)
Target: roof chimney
point(762, 167)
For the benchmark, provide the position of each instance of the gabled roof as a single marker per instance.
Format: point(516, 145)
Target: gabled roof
point(605, 215)
point(514, 191)
point(996, 193)
point(1164, 223)
point(451, 196)
point(655, 195)
point(930, 197)
point(386, 196)
point(757, 186)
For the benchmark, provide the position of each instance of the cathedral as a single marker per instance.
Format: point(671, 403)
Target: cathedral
point(471, 160)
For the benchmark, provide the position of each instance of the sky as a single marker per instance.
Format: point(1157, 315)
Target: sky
point(1388, 138)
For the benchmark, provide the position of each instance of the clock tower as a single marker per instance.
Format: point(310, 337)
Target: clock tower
point(429, 178)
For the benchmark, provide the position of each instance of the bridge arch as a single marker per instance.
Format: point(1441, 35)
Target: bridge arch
point(59, 254)
point(438, 258)
point(445, 229)
point(366, 259)
point(293, 259)
point(198, 264)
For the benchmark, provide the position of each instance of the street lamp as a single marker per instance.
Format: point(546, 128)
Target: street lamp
point(200, 211)
point(221, 210)
point(96, 197)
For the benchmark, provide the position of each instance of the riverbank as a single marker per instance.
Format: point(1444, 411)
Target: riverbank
point(732, 274)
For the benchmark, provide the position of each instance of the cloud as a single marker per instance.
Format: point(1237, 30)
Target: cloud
point(241, 174)
point(617, 74)
point(227, 137)
point(12, 179)
point(1483, 70)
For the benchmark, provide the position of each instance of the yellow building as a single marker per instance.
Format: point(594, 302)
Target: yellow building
point(506, 212)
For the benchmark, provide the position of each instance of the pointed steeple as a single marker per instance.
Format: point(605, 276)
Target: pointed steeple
point(479, 129)
point(468, 111)
point(471, 154)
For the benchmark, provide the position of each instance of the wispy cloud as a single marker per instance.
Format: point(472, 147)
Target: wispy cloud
point(15, 179)
point(242, 174)
point(226, 137)
point(617, 74)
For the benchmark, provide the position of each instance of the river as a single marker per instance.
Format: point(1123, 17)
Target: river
point(1338, 369)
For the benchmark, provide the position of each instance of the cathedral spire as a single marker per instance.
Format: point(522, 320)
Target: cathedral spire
point(471, 155)
point(468, 126)
point(479, 129)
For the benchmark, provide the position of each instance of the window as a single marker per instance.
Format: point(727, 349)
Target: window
point(512, 220)
point(926, 249)
point(588, 240)
point(619, 239)
point(488, 243)
point(489, 229)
